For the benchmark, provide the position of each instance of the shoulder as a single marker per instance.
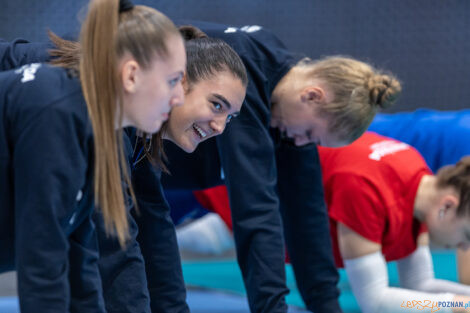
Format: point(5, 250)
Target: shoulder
point(42, 92)
point(39, 86)
point(254, 40)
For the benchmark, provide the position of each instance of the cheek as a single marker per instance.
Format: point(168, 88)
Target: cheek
point(179, 119)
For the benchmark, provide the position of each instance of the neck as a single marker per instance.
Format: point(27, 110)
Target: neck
point(293, 80)
point(425, 196)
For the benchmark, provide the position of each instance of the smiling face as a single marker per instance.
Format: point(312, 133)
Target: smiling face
point(209, 105)
point(150, 93)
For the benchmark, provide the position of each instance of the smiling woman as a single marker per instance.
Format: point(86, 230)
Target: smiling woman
point(214, 85)
point(209, 105)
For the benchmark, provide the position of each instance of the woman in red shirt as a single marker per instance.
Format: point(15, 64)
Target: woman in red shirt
point(383, 200)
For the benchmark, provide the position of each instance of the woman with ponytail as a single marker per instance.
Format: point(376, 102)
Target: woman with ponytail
point(61, 150)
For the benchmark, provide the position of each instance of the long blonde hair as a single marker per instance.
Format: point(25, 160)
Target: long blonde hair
point(106, 35)
point(358, 89)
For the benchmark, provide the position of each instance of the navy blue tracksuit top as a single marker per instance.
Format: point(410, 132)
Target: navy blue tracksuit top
point(266, 178)
point(46, 163)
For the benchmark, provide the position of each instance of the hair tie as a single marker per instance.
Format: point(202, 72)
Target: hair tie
point(125, 5)
point(380, 95)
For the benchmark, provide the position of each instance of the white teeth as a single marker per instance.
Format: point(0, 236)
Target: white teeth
point(199, 130)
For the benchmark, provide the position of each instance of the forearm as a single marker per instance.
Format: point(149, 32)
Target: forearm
point(157, 239)
point(122, 271)
point(306, 227)
point(85, 283)
point(247, 157)
point(368, 278)
point(417, 272)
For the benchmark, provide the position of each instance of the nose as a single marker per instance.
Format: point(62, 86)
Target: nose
point(178, 96)
point(218, 124)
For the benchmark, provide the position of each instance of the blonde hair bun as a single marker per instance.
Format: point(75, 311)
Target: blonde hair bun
point(383, 90)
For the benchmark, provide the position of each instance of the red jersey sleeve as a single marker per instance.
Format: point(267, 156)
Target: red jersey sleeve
point(355, 202)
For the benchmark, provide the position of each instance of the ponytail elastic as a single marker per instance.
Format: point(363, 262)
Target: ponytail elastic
point(125, 5)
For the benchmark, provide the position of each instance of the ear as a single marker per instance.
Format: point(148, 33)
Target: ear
point(312, 94)
point(449, 203)
point(130, 75)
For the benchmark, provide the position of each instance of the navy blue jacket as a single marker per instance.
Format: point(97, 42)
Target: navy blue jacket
point(266, 178)
point(46, 163)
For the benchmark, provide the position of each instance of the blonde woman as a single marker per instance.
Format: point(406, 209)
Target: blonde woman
point(61, 150)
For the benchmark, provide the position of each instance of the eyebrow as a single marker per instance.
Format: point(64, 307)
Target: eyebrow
point(223, 99)
point(180, 74)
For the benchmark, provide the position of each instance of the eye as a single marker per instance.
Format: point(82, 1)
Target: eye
point(231, 116)
point(217, 106)
point(173, 82)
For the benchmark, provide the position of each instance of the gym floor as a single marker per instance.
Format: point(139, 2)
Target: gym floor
point(215, 285)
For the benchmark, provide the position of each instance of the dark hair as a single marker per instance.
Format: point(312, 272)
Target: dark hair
point(206, 57)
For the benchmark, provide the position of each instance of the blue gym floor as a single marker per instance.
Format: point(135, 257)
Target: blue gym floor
point(216, 286)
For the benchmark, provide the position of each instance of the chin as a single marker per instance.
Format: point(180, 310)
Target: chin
point(186, 145)
point(189, 148)
point(151, 129)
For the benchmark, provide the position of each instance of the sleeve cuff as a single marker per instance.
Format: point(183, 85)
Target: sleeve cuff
point(326, 306)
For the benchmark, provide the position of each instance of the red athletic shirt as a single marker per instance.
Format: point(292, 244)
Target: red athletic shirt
point(370, 186)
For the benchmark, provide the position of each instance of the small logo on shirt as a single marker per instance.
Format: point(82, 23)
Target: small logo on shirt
point(384, 148)
point(28, 70)
point(246, 29)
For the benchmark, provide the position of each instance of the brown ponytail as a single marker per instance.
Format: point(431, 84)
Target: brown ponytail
point(106, 35)
point(190, 32)
point(98, 76)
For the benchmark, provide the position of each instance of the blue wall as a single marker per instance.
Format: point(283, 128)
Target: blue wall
point(425, 42)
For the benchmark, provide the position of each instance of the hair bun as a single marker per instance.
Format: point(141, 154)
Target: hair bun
point(383, 90)
point(190, 32)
